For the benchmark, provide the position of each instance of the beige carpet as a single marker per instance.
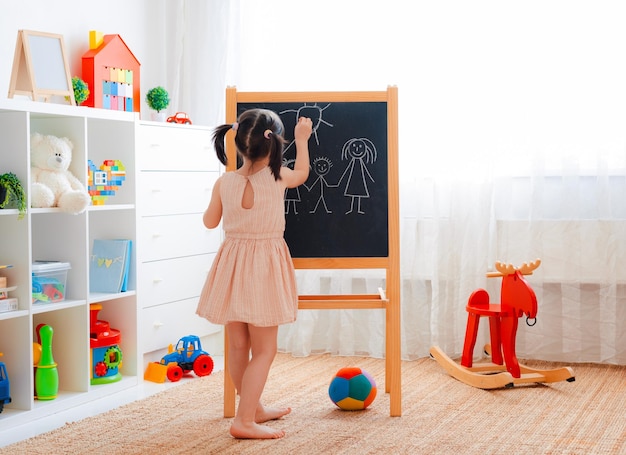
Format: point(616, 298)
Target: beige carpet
point(440, 416)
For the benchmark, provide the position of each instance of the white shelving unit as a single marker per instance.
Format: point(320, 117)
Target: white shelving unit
point(170, 173)
point(49, 234)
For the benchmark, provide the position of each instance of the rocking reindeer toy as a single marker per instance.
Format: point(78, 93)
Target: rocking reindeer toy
point(516, 299)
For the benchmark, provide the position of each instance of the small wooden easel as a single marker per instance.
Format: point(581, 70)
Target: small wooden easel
point(517, 298)
point(40, 68)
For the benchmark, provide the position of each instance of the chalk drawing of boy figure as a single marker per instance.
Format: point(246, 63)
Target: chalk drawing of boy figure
point(292, 195)
point(359, 151)
point(321, 167)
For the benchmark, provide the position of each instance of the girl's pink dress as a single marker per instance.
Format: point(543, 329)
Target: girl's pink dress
point(252, 278)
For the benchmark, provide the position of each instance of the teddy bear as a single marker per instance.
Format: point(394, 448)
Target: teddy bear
point(52, 183)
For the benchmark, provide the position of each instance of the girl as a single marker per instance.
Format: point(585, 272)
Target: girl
point(251, 287)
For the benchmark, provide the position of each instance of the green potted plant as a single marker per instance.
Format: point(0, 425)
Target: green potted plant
point(81, 90)
point(158, 99)
point(12, 194)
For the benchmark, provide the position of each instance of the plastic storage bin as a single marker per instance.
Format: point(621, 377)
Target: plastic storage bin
point(49, 281)
point(9, 304)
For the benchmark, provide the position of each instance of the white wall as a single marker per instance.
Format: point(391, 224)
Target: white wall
point(138, 22)
point(475, 78)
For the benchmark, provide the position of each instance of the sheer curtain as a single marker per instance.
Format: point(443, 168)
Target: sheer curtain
point(512, 147)
point(200, 55)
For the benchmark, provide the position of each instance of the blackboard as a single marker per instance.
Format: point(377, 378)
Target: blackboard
point(342, 209)
point(346, 214)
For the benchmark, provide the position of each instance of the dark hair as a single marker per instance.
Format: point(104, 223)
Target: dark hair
point(251, 138)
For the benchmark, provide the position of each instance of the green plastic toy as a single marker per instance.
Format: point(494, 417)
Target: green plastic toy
point(47, 375)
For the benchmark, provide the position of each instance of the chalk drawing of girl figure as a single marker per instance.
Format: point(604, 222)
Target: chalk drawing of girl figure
point(292, 195)
point(359, 151)
point(321, 167)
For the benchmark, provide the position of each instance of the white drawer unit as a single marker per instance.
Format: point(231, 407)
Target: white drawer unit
point(170, 236)
point(165, 324)
point(170, 147)
point(177, 169)
point(173, 279)
point(169, 193)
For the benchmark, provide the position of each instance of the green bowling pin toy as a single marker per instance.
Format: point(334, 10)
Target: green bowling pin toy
point(47, 375)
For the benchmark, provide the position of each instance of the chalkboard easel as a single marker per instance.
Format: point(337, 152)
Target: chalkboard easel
point(346, 216)
point(40, 68)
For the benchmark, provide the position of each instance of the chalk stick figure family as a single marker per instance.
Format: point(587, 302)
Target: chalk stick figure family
point(358, 152)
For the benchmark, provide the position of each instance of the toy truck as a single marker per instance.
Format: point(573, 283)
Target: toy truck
point(5, 397)
point(186, 357)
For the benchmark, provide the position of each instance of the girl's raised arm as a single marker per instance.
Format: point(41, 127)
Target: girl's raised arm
point(300, 172)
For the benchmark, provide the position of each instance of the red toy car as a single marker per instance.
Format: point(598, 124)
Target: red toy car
point(179, 117)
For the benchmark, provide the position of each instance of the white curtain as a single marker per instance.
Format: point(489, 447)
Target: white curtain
point(201, 48)
point(512, 147)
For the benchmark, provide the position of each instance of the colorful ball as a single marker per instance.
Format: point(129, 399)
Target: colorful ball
point(352, 389)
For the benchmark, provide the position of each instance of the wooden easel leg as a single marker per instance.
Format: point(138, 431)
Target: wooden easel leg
point(388, 343)
point(393, 375)
point(229, 386)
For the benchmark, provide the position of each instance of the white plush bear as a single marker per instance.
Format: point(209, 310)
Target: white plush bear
point(52, 184)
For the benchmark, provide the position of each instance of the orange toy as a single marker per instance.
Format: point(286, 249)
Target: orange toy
point(111, 72)
point(516, 299)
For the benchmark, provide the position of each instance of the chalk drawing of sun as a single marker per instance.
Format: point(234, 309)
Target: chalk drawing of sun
point(312, 111)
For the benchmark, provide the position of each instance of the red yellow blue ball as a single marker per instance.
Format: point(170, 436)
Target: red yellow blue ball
point(352, 389)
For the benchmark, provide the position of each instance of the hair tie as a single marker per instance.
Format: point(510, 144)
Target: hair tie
point(235, 126)
point(267, 134)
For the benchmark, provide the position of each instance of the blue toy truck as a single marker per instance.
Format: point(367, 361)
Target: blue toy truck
point(187, 356)
point(5, 397)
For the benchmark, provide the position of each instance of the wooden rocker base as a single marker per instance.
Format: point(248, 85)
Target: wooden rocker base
point(487, 375)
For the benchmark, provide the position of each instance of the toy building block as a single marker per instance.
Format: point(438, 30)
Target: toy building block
point(95, 39)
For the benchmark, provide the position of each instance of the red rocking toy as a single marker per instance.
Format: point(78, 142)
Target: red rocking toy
point(516, 299)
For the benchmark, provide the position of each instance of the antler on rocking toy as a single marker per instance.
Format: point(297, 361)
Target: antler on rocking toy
point(527, 269)
point(508, 269)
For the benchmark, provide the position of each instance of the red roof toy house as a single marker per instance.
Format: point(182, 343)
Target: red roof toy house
point(112, 73)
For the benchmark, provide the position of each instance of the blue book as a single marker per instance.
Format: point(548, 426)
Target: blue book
point(109, 265)
point(126, 267)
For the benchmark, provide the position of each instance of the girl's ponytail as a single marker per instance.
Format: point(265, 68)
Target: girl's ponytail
point(276, 154)
point(218, 141)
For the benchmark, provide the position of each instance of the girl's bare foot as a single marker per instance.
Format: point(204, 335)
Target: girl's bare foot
point(266, 414)
point(254, 431)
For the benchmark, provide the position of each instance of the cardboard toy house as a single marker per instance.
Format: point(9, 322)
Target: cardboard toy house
point(112, 73)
